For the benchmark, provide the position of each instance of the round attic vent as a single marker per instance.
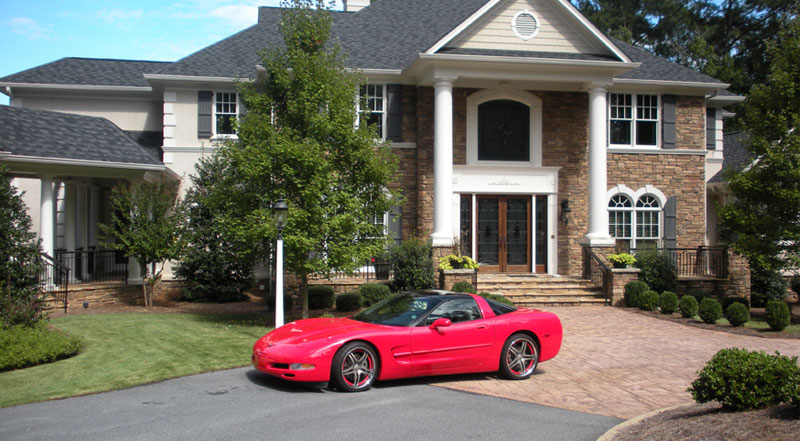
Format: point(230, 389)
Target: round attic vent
point(525, 25)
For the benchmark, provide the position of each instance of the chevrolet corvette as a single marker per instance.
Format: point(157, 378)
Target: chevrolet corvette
point(412, 334)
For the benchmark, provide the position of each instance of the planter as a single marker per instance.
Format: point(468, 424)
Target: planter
point(619, 265)
point(382, 270)
point(448, 277)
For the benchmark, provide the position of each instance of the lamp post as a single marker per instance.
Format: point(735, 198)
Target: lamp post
point(280, 211)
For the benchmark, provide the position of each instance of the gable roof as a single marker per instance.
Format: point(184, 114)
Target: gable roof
point(46, 134)
point(656, 68)
point(87, 72)
point(737, 156)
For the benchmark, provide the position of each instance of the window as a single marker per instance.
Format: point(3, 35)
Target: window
point(504, 131)
point(457, 310)
point(375, 97)
point(225, 113)
point(634, 227)
point(633, 119)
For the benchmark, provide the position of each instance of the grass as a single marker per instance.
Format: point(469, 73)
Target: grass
point(760, 324)
point(124, 350)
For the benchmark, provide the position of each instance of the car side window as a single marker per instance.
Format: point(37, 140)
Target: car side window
point(457, 310)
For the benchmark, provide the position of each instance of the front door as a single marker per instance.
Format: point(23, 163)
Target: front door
point(504, 233)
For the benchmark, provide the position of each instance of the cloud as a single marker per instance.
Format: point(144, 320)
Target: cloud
point(29, 28)
point(119, 14)
point(237, 15)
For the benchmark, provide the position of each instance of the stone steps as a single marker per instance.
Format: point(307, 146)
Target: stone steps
point(533, 291)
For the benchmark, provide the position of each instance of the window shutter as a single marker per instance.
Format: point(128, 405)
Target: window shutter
point(394, 115)
point(242, 107)
point(396, 224)
point(204, 101)
point(668, 122)
point(711, 129)
point(670, 223)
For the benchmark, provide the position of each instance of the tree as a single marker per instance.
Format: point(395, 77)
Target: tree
point(19, 259)
point(216, 266)
point(763, 219)
point(298, 142)
point(146, 224)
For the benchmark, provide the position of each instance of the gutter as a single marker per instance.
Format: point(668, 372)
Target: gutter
point(7, 87)
point(626, 81)
point(194, 79)
point(82, 162)
point(534, 61)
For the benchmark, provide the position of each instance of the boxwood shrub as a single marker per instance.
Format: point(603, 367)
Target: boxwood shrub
point(464, 287)
point(349, 301)
point(320, 297)
point(688, 306)
point(737, 314)
point(778, 315)
point(727, 301)
point(372, 293)
point(649, 301)
point(23, 346)
point(709, 310)
point(741, 380)
point(669, 302)
point(633, 292)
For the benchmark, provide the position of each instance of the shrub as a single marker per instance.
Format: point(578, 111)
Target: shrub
point(326, 314)
point(649, 301)
point(23, 346)
point(463, 287)
point(633, 291)
point(727, 301)
point(658, 270)
point(497, 298)
point(766, 285)
point(621, 259)
point(794, 284)
point(669, 302)
point(778, 315)
point(737, 314)
point(25, 310)
point(709, 310)
point(320, 297)
point(452, 261)
point(373, 293)
point(741, 380)
point(412, 262)
point(688, 306)
point(349, 301)
point(697, 294)
point(269, 299)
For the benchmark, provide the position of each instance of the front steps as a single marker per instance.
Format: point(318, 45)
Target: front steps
point(535, 291)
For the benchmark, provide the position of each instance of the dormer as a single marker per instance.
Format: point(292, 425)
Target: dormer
point(355, 5)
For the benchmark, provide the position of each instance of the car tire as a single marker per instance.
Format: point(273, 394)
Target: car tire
point(355, 367)
point(519, 357)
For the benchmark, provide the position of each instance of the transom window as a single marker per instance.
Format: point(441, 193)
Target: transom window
point(504, 131)
point(225, 111)
point(633, 119)
point(375, 97)
point(636, 226)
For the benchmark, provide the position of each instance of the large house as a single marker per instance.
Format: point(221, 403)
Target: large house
point(522, 131)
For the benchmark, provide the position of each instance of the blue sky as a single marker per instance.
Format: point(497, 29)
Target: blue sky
point(34, 32)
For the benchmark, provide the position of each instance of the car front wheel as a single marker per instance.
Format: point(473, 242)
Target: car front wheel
point(520, 357)
point(355, 367)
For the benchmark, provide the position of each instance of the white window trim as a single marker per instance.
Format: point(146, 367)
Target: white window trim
point(223, 136)
point(516, 30)
point(634, 197)
point(384, 116)
point(535, 125)
point(633, 120)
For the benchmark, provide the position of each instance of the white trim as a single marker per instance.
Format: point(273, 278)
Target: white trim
point(535, 125)
point(634, 107)
point(195, 79)
point(201, 149)
point(460, 28)
point(656, 151)
point(83, 162)
point(596, 32)
point(530, 60)
point(634, 198)
point(79, 87)
point(402, 145)
point(635, 82)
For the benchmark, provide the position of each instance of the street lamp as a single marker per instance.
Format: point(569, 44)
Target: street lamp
point(279, 211)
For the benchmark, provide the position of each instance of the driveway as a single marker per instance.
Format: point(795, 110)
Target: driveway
point(243, 404)
point(619, 363)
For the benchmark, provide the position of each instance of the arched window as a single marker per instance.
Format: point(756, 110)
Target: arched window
point(504, 131)
point(648, 222)
point(620, 211)
point(636, 226)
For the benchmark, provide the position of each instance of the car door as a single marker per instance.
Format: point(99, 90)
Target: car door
point(462, 346)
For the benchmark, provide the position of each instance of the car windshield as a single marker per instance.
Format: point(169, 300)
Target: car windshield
point(400, 310)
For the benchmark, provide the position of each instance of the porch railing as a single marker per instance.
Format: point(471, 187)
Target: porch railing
point(54, 279)
point(697, 262)
point(366, 271)
point(94, 266)
point(598, 272)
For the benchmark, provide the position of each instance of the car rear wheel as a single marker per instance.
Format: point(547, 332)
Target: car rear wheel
point(520, 357)
point(355, 367)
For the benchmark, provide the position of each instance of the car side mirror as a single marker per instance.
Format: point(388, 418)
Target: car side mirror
point(440, 323)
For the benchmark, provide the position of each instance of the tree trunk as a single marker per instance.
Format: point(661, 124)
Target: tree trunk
point(304, 293)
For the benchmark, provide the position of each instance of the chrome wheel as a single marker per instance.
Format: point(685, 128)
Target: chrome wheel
point(355, 367)
point(520, 357)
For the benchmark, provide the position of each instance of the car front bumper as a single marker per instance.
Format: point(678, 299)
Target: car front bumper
point(278, 361)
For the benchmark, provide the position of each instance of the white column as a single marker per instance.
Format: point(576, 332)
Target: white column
point(443, 163)
point(47, 214)
point(552, 234)
point(134, 272)
point(279, 281)
point(94, 215)
point(597, 235)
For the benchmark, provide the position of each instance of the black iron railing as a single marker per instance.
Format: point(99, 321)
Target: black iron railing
point(94, 266)
point(697, 262)
point(596, 270)
point(54, 279)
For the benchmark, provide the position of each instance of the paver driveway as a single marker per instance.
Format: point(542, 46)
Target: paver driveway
point(619, 363)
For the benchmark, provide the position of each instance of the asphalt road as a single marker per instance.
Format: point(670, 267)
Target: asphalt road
point(244, 404)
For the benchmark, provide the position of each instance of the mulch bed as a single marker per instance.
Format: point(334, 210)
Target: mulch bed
point(756, 313)
point(709, 422)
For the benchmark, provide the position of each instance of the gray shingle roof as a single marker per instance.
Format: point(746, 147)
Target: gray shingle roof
point(42, 133)
point(656, 68)
point(737, 157)
point(527, 54)
point(87, 72)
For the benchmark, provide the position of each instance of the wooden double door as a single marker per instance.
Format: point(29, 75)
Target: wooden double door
point(506, 229)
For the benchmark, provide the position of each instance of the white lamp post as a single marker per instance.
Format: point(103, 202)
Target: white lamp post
point(280, 211)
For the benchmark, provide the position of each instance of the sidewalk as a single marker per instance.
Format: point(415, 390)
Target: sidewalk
point(618, 363)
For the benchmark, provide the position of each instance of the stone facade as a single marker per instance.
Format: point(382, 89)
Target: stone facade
point(448, 278)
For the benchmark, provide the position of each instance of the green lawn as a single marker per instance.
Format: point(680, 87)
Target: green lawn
point(759, 324)
point(124, 350)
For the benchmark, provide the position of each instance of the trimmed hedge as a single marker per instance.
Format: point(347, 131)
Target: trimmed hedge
point(372, 293)
point(23, 346)
point(778, 315)
point(497, 298)
point(727, 301)
point(633, 292)
point(464, 287)
point(349, 301)
point(709, 310)
point(320, 297)
point(737, 314)
point(741, 380)
point(669, 302)
point(688, 306)
point(649, 301)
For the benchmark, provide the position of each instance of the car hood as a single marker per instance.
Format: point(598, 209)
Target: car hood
point(315, 330)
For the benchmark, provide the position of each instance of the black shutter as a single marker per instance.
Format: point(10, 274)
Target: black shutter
point(668, 122)
point(670, 223)
point(394, 115)
point(711, 126)
point(242, 106)
point(396, 224)
point(204, 101)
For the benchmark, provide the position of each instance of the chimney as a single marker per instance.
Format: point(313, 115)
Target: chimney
point(355, 5)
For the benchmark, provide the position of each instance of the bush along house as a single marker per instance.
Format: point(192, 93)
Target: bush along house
point(524, 134)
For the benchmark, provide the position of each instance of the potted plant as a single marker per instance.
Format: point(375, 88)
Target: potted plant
point(382, 267)
point(621, 260)
point(452, 261)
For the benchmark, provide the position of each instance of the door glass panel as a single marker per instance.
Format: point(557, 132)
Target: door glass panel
point(517, 231)
point(541, 230)
point(466, 225)
point(488, 211)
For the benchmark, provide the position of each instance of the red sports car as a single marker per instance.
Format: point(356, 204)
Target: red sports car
point(409, 335)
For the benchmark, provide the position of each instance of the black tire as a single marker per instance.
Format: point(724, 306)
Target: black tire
point(520, 357)
point(355, 367)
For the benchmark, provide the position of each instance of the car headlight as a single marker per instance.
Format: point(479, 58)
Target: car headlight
point(301, 366)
